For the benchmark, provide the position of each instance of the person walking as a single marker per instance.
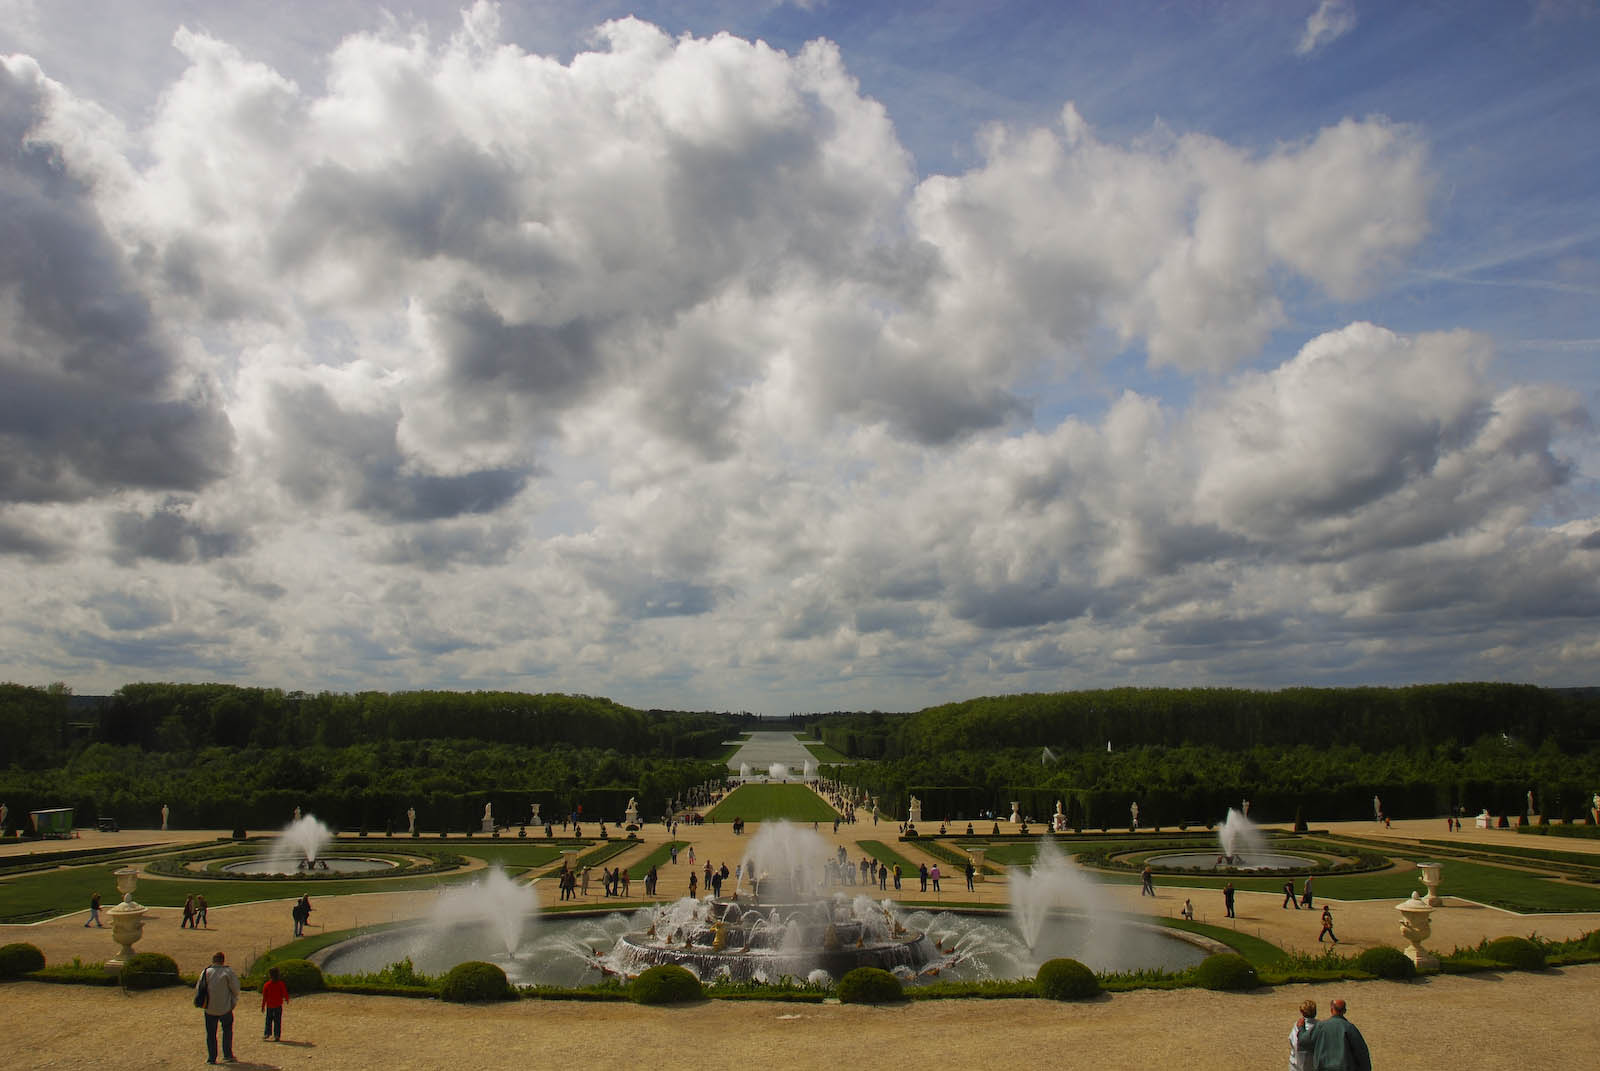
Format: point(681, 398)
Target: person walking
point(933, 876)
point(1188, 909)
point(274, 995)
point(1227, 899)
point(200, 911)
point(94, 911)
point(218, 988)
point(1305, 897)
point(1336, 1044)
point(922, 872)
point(971, 871)
point(1327, 925)
point(897, 877)
point(188, 913)
point(1147, 885)
point(1289, 897)
point(1300, 1037)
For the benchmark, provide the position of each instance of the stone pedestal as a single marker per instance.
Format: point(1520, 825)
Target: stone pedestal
point(977, 862)
point(1415, 928)
point(1430, 878)
point(127, 919)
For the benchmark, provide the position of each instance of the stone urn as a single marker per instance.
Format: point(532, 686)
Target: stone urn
point(1430, 878)
point(127, 918)
point(977, 855)
point(1415, 928)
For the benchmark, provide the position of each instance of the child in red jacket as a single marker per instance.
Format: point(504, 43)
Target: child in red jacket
point(274, 995)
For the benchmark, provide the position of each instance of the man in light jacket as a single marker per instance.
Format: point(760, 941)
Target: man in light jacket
point(221, 989)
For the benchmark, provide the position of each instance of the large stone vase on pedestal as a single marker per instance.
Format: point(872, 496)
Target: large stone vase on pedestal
point(127, 919)
point(1430, 878)
point(1415, 928)
point(977, 862)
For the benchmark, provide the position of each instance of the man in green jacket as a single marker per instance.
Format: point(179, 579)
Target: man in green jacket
point(1336, 1045)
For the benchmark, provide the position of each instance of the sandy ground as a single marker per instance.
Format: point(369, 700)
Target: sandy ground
point(1464, 1020)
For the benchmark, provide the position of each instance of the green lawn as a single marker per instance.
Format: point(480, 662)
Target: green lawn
point(823, 753)
point(767, 803)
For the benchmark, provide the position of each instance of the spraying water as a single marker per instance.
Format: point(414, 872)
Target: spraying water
point(778, 771)
point(1240, 838)
point(493, 911)
point(811, 769)
point(744, 771)
point(1055, 884)
point(298, 844)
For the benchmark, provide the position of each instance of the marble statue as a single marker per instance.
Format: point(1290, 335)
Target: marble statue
point(297, 812)
point(411, 818)
point(164, 813)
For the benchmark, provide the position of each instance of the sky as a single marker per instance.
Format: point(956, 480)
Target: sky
point(797, 356)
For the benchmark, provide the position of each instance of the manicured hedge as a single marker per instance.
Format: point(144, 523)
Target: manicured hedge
point(19, 959)
point(473, 982)
point(1066, 979)
point(870, 985)
point(301, 976)
point(1518, 952)
point(1226, 971)
point(1382, 961)
point(666, 984)
point(149, 970)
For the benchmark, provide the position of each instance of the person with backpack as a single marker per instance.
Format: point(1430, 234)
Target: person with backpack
point(218, 992)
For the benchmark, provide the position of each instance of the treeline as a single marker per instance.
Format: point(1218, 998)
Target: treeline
point(186, 717)
point(1232, 719)
point(1192, 784)
point(369, 785)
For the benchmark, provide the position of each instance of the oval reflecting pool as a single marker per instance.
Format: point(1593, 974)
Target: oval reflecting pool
point(1214, 861)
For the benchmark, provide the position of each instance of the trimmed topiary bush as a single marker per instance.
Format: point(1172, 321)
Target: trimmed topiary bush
point(1382, 961)
point(19, 959)
point(301, 976)
point(1066, 979)
point(870, 985)
point(1518, 952)
point(666, 984)
point(473, 982)
point(1227, 971)
point(149, 970)
point(1591, 943)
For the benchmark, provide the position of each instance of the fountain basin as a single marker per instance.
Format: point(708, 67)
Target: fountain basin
point(1251, 861)
point(335, 864)
point(578, 950)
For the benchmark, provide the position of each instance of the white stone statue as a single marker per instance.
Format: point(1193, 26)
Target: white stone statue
point(1015, 817)
point(488, 812)
point(1133, 812)
point(411, 819)
point(1377, 808)
point(4, 810)
point(164, 813)
point(1244, 808)
point(916, 811)
point(297, 812)
point(1530, 803)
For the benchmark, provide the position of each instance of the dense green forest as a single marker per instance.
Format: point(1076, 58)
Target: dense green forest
point(225, 755)
point(1234, 719)
point(221, 755)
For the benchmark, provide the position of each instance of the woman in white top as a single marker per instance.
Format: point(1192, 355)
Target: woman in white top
point(1300, 1037)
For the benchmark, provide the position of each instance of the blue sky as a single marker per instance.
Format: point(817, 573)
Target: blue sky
point(795, 356)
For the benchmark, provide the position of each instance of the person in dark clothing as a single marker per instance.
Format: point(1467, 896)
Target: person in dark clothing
point(1227, 899)
point(1336, 1045)
point(1288, 895)
point(1327, 925)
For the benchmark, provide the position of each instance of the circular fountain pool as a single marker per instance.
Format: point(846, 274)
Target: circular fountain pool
point(1213, 861)
point(916, 945)
point(334, 864)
